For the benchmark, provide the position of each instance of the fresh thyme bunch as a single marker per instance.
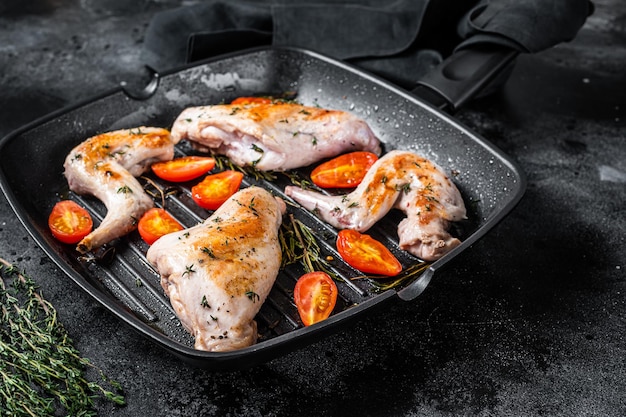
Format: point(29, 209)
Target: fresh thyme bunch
point(41, 372)
point(299, 245)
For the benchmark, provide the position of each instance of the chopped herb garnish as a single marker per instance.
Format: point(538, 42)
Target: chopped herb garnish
point(257, 148)
point(116, 153)
point(204, 303)
point(188, 270)
point(252, 207)
point(403, 187)
point(252, 296)
point(208, 251)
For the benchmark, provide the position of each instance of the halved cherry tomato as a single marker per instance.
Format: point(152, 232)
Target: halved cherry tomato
point(344, 171)
point(367, 254)
point(212, 191)
point(69, 222)
point(315, 295)
point(249, 100)
point(155, 223)
point(183, 169)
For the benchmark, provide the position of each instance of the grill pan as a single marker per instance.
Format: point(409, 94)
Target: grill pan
point(31, 176)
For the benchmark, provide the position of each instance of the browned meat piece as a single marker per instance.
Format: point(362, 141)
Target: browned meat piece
point(402, 180)
point(274, 136)
point(105, 166)
point(218, 274)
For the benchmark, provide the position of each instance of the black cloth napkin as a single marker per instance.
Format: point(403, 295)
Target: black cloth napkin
point(399, 40)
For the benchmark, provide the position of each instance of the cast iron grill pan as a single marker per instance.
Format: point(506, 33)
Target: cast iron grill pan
point(31, 174)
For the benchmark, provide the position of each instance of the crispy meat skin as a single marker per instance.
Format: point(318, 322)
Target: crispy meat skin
point(218, 274)
point(402, 180)
point(274, 137)
point(105, 166)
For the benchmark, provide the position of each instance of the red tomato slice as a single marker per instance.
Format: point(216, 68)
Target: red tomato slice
point(367, 254)
point(69, 222)
point(155, 223)
point(183, 169)
point(315, 295)
point(344, 171)
point(249, 100)
point(212, 191)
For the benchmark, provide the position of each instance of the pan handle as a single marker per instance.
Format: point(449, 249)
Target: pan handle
point(465, 74)
point(146, 91)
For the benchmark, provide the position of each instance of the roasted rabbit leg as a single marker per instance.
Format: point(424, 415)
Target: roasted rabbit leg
point(105, 166)
point(402, 180)
point(275, 136)
point(217, 274)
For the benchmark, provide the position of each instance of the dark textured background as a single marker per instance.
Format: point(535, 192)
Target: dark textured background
point(530, 321)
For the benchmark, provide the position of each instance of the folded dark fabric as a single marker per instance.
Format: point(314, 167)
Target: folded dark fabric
point(204, 30)
point(525, 25)
point(400, 40)
point(349, 30)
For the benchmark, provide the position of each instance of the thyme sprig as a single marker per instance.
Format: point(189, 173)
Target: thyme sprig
point(41, 372)
point(298, 244)
point(297, 179)
point(155, 191)
point(223, 162)
point(403, 277)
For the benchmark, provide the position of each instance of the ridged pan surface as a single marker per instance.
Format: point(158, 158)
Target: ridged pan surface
point(31, 174)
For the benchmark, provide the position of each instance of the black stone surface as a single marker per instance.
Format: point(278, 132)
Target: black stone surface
point(531, 321)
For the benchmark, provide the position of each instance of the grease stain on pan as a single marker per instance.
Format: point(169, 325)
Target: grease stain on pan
point(136, 118)
point(227, 81)
point(178, 97)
